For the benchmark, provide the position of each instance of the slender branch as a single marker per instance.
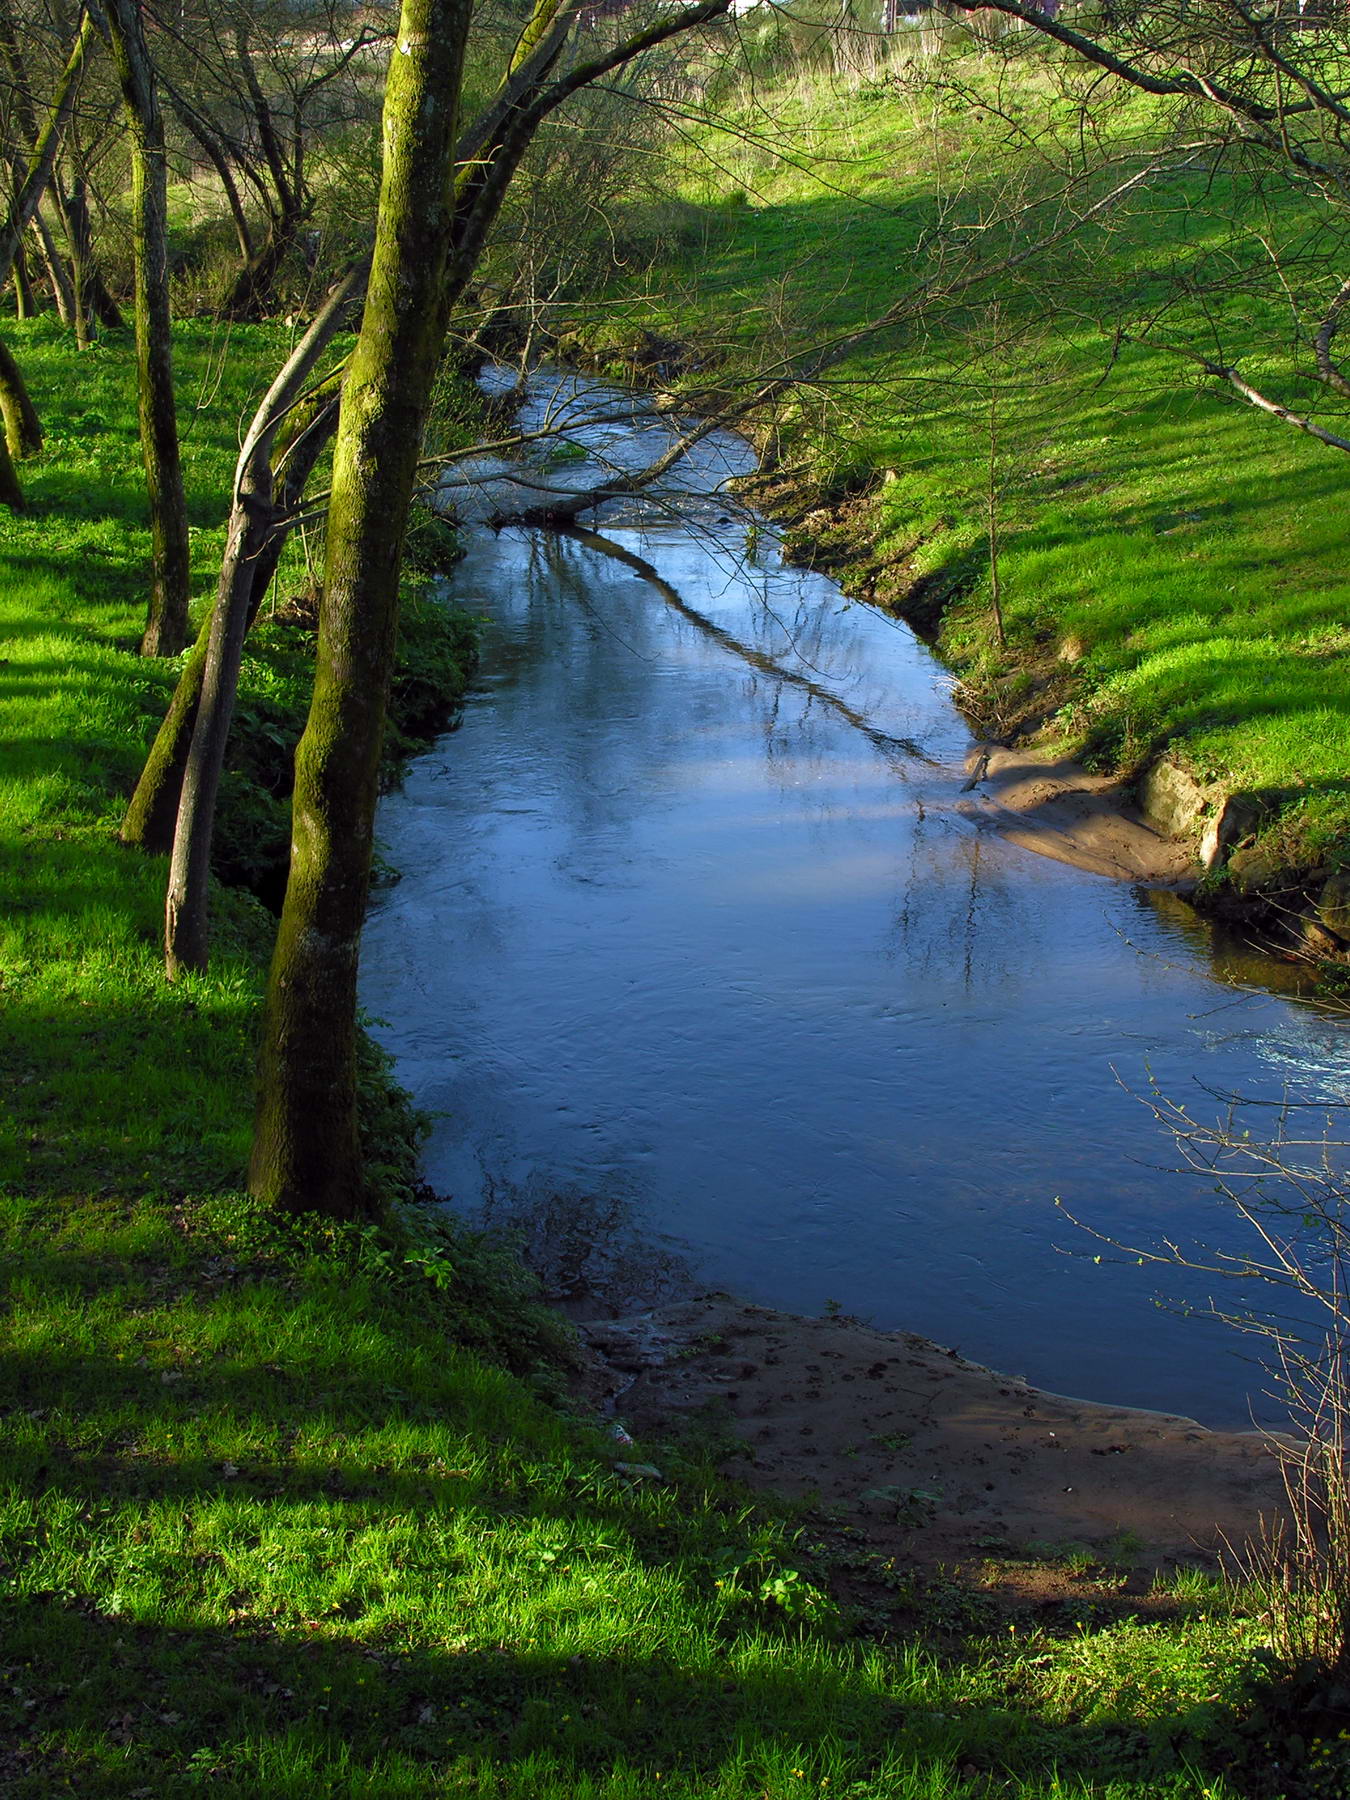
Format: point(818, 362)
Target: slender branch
point(1326, 331)
point(1253, 396)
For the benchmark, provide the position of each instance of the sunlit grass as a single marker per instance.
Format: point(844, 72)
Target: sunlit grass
point(266, 1525)
point(1187, 553)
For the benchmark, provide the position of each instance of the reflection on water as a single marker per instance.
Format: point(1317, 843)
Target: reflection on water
point(688, 914)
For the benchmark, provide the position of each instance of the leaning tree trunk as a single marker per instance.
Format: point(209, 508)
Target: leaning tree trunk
point(167, 616)
point(251, 296)
point(11, 494)
point(24, 307)
point(152, 814)
point(23, 427)
point(148, 823)
point(58, 277)
point(104, 301)
point(306, 1152)
point(253, 528)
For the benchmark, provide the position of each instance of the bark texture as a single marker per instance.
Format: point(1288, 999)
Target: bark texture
point(153, 810)
point(11, 494)
point(23, 428)
point(166, 625)
point(152, 814)
point(252, 530)
point(306, 1153)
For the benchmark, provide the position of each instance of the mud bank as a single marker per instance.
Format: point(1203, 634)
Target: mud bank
point(930, 1458)
point(1055, 807)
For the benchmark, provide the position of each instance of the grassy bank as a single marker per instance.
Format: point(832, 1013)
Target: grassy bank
point(1172, 565)
point(290, 1513)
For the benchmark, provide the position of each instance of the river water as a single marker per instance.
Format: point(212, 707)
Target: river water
point(697, 927)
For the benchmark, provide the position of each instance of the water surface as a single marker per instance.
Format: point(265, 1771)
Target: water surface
point(694, 915)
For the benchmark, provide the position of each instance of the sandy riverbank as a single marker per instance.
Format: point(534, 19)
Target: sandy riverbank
point(1055, 807)
point(929, 1457)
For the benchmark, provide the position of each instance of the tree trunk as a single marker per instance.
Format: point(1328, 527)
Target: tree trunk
point(148, 823)
point(104, 302)
point(77, 245)
point(306, 1152)
point(23, 427)
point(23, 287)
point(57, 277)
point(253, 528)
point(167, 617)
point(94, 305)
point(11, 494)
point(186, 917)
point(151, 816)
point(250, 299)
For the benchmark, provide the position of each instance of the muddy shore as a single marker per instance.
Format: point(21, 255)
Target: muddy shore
point(923, 1456)
point(1055, 807)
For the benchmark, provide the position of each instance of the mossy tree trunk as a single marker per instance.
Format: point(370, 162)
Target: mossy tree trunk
point(24, 307)
point(11, 494)
point(23, 427)
point(429, 235)
point(152, 811)
point(58, 276)
point(152, 814)
point(252, 530)
point(166, 625)
point(306, 1154)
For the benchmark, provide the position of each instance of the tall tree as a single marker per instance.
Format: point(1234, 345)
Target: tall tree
point(305, 1150)
point(166, 625)
point(433, 223)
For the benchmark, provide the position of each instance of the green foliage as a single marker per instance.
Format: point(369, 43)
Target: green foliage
point(436, 652)
point(1173, 564)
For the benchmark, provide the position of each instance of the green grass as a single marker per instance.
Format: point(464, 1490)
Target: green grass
point(266, 1526)
point(293, 1513)
point(1185, 554)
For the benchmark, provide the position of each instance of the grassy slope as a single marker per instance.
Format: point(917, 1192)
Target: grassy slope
point(1186, 554)
point(274, 1516)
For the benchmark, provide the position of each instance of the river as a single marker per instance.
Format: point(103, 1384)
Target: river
point(697, 930)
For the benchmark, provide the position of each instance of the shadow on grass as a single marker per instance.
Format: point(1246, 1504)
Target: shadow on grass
point(174, 1705)
point(180, 1426)
point(127, 1085)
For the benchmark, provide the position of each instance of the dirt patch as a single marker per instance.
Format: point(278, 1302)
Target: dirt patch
point(1055, 807)
point(924, 1457)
